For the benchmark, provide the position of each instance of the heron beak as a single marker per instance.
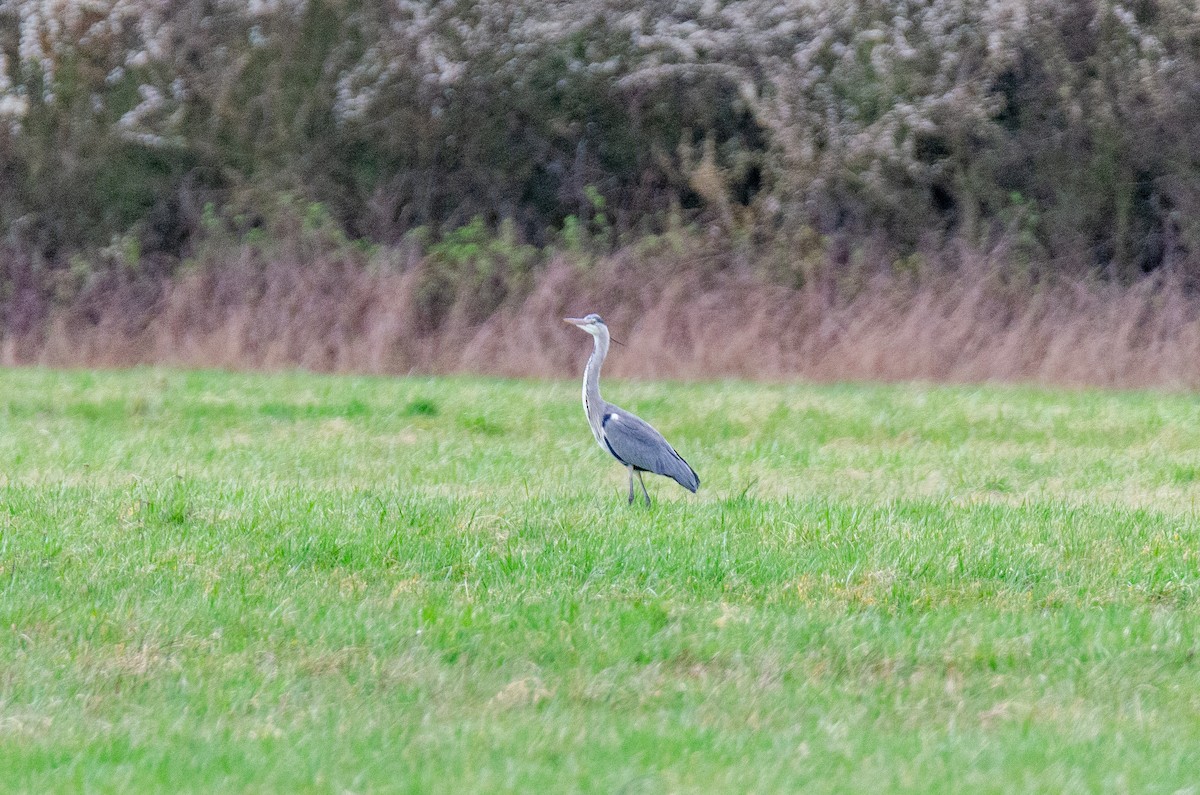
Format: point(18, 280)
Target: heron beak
point(578, 321)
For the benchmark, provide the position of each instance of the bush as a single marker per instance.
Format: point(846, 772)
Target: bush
point(1071, 127)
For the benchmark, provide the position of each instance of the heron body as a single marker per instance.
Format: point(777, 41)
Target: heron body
point(626, 436)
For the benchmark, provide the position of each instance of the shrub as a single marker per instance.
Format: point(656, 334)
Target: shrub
point(1073, 126)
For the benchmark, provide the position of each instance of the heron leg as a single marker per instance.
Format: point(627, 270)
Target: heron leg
point(631, 485)
point(639, 474)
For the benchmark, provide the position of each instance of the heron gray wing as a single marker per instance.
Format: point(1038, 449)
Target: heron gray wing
point(634, 442)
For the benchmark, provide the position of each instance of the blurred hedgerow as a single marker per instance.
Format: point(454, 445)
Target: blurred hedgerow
point(914, 124)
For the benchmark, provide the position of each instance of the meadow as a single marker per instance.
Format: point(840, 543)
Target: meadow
point(294, 582)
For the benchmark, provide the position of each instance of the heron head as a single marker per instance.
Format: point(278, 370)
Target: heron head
point(592, 324)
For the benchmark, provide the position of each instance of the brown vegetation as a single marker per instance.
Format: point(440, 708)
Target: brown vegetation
point(682, 318)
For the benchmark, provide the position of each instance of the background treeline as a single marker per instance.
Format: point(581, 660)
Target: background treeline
point(812, 145)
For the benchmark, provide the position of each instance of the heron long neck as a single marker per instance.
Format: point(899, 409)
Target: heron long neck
point(591, 384)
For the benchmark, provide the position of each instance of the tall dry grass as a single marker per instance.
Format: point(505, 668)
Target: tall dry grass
point(680, 319)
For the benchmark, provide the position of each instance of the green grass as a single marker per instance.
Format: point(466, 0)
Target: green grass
point(216, 582)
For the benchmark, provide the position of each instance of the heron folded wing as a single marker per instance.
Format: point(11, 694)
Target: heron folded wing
point(634, 442)
point(682, 473)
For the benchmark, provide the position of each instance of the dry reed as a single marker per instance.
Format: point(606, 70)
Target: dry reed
point(687, 321)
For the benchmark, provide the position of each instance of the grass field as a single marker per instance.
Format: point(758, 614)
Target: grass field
point(216, 582)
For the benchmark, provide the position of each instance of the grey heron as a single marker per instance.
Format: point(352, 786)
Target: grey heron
point(627, 437)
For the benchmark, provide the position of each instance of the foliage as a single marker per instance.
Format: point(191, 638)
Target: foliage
point(475, 270)
point(913, 123)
